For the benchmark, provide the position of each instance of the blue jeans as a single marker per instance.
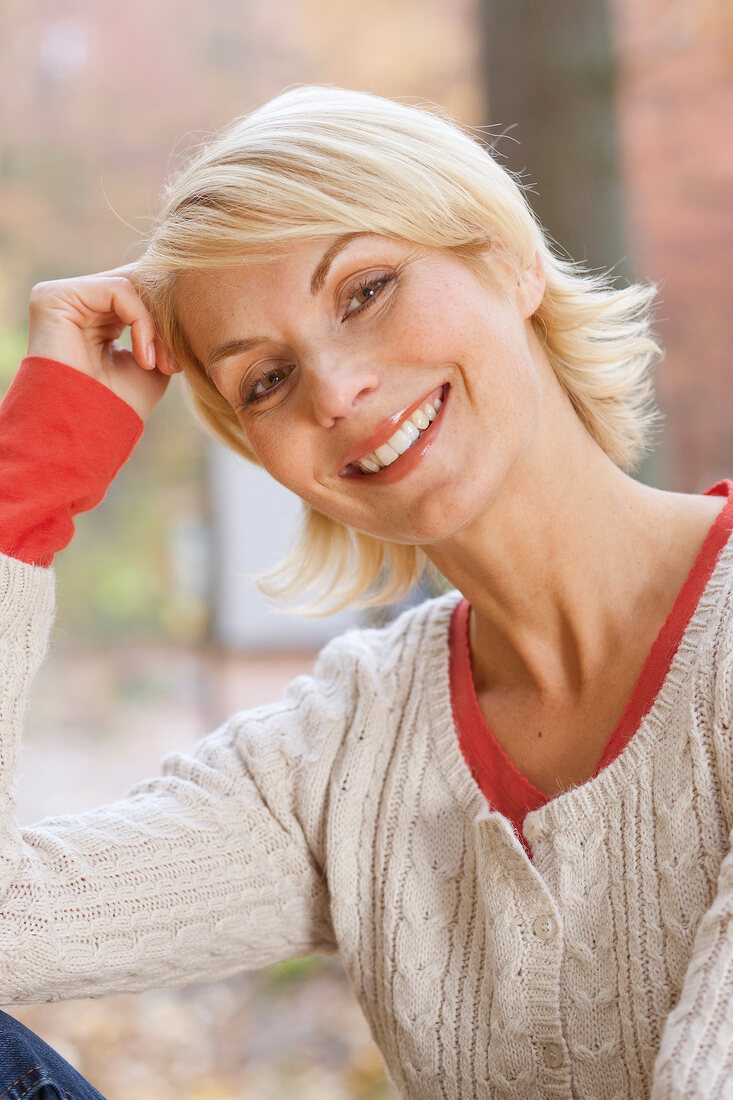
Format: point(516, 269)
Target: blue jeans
point(29, 1068)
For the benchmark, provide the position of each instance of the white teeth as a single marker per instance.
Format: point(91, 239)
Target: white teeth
point(401, 441)
point(407, 433)
point(386, 454)
point(420, 419)
point(410, 430)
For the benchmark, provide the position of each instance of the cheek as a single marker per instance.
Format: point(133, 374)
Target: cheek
point(504, 371)
point(283, 453)
point(426, 331)
point(457, 322)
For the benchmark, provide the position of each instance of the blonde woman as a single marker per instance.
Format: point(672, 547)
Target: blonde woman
point(508, 811)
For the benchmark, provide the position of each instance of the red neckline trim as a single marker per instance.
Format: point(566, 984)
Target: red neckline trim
point(491, 767)
point(666, 644)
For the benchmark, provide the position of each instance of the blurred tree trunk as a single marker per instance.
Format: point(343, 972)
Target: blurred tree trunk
point(550, 73)
point(551, 88)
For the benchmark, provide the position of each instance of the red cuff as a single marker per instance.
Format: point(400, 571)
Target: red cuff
point(63, 437)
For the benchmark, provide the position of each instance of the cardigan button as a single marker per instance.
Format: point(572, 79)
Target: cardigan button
point(544, 927)
point(552, 1055)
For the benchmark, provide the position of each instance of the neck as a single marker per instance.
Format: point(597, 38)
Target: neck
point(562, 564)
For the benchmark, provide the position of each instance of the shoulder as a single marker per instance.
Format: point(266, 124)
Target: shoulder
point(718, 599)
point(372, 667)
point(721, 591)
point(385, 655)
point(713, 715)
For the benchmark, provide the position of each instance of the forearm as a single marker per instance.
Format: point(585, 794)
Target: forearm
point(63, 437)
point(189, 878)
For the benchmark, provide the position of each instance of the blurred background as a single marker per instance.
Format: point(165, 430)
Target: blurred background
point(616, 115)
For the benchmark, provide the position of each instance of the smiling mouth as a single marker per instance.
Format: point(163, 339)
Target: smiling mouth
point(412, 429)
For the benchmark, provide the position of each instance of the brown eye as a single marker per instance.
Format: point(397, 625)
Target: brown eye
point(271, 380)
point(364, 294)
point(265, 383)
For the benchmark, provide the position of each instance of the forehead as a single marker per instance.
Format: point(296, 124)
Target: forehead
point(281, 262)
point(208, 300)
point(276, 261)
point(291, 274)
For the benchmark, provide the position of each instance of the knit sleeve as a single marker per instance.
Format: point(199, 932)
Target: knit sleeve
point(695, 1059)
point(208, 869)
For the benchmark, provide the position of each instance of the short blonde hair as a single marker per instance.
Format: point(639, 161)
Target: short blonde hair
point(321, 161)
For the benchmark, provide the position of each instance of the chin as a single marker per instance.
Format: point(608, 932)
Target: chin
point(433, 522)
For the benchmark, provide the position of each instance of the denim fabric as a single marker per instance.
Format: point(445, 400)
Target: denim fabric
point(30, 1068)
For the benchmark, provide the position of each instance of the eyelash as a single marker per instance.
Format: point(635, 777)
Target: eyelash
point(379, 281)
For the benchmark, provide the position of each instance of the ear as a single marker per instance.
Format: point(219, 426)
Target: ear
point(531, 286)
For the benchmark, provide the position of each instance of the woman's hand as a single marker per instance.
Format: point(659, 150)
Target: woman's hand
point(77, 321)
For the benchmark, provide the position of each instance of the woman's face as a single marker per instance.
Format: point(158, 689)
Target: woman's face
point(328, 349)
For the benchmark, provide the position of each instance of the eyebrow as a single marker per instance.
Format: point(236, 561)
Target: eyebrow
point(239, 347)
point(322, 269)
point(232, 347)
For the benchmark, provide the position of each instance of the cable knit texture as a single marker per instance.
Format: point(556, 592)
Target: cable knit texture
point(345, 819)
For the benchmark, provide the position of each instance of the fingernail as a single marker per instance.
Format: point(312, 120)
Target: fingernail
point(151, 354)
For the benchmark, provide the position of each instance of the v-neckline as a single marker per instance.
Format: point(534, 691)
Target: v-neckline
point(499, 778)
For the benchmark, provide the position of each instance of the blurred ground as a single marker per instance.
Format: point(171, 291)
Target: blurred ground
point(99, 722)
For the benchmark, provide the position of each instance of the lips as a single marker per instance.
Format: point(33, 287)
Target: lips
point(413, 456)
point(384, 432)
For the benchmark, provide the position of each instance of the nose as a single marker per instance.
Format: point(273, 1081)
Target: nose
point(339, 386)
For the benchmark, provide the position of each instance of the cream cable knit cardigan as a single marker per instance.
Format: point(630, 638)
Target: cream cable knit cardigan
point(344, 818)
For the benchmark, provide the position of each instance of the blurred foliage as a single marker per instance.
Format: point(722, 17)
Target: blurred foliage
point(295, 970)
point(13, 342)
point(140, 566)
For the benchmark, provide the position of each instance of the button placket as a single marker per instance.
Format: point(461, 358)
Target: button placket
point(545, 927)
point(535, 932)
point(552, 1055)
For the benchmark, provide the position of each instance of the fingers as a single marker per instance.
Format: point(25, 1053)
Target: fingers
point(155, 352)
point(96, 307)
point(143, 343)
point(147, 346)
point(126, 303)
point(165, 361)
point(125, 271)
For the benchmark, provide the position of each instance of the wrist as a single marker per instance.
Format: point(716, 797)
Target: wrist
point(59, 342)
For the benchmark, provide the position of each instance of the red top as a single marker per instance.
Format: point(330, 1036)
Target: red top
point(64, 436)
point(505, 787)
